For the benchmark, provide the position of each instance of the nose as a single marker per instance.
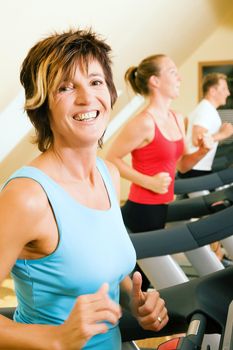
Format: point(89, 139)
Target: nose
point(83, 95)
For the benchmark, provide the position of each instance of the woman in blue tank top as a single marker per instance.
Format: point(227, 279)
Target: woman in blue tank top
point(69, 250)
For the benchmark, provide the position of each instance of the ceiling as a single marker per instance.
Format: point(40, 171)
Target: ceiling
point(133, 28)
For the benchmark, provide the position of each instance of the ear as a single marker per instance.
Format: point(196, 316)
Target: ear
point(212, 91)
point(154, 81)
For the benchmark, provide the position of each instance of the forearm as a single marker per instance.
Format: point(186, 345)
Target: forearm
point(18, 336)
point(188, 161)
point(219, 136)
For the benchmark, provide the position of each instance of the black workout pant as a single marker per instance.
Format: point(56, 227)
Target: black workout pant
point(193, 173)
point(144, 217)
point(141, 218)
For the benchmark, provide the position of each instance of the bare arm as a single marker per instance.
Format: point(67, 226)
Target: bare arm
point(23, 219)
point(187, 161)
point(137, 133)
point(17, 220)
point(200, 139)
point(224, 132)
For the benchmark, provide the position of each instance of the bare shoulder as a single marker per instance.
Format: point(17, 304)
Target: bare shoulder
point(140, 128)
point(144, 120)
point(23, 200)
point(24, 192)
point(23, 206)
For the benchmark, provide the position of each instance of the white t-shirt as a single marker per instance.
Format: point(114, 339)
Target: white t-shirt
point(206, 116)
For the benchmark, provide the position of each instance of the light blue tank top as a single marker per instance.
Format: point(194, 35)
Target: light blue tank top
point(93, 248)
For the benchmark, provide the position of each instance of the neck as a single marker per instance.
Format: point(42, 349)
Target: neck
point(212, 101)
point(68, 164)
point(160, 110)
point(160, 105)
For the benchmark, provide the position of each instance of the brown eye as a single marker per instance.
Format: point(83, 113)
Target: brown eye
point(64, 88)
point(97, 82)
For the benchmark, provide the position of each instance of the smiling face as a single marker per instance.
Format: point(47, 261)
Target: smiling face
point(168, 79)
point(80, 107)
point(220, 92)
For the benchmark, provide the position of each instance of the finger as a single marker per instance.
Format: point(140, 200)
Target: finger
point(137, 284)
point(137, 288)
point(155, 320)
point(164, 174)
point(153, 304)
point(104, 305)
point(104, 302)
point(105, 315)
point(96, 328)
point(103, 289)
point(156, 317)
point(98, 301)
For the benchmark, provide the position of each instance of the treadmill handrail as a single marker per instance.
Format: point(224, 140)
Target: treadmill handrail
point(188, 208)
point(186, 236)
point(206, 182)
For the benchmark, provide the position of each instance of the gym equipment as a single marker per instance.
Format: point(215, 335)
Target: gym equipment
point(205, 182)
point(196, 307)
point(161, 269)
point(223, 157)
point(196, 207)
point(153, 246)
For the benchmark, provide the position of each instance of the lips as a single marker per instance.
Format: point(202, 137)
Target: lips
point(86, 116)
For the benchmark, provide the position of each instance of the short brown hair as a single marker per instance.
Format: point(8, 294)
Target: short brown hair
point(210, 80)
point(46, 65)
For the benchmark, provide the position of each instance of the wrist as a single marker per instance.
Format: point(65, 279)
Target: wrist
point(56, 338)
point(147, 182)
point(202, 152)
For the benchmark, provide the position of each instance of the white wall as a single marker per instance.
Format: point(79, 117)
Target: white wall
point(218, 47)
point(134, 28)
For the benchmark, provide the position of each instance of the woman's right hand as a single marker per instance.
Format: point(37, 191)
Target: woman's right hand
point(159, 183)
point(88, 318)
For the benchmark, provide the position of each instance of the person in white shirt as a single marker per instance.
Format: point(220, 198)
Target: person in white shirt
point(205, 119)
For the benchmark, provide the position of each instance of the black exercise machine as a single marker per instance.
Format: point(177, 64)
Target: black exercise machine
point(196, 207)
point(205, 182)
point(203, 301)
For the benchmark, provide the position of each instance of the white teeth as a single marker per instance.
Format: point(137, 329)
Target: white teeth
point(85, 116)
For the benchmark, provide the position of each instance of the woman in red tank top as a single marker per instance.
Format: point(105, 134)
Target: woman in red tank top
point(155, 140)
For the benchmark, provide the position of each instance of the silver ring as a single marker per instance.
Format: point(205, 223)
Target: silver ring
point(159, 319)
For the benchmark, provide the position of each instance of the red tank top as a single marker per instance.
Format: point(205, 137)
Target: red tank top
point(158, 156)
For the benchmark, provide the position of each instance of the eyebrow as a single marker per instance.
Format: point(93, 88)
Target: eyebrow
point(96, 75)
